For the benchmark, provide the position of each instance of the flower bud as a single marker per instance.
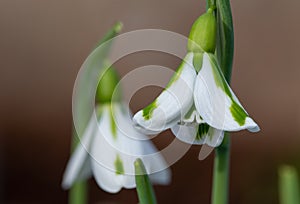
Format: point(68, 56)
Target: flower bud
point(202, 36)
point(107, 86)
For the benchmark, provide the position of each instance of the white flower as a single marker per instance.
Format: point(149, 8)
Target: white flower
point(198, 107)
point(108, 149)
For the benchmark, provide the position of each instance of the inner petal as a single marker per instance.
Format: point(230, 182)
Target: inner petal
point(191, 117)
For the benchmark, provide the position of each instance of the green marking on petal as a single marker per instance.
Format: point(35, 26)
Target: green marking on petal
point(210, 133)
point(147, 112)
point(119, 166)
point(197, 61)
point(176, 75)
point(218, 75)
point(238, 113)
point(189, 113)
point(113, 125)
point(202, 131)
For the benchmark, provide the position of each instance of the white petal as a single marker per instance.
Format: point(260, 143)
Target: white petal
point(216, 102)
point(126, 144)
point(172, 103)
point(136, 145)
point(103, 156)
point(194, 134)
point(187, 133)
point(155, 164)
point(78, 166)
point(213, 137)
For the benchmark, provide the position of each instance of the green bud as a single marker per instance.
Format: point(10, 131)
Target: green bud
point(107, 86)
point(202, 36)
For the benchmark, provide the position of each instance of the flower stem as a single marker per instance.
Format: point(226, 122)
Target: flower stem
point(78, 192)
point(224, 52)
point(221, 172)
point(288, 185)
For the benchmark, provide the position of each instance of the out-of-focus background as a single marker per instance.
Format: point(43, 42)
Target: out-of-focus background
point(44, 43)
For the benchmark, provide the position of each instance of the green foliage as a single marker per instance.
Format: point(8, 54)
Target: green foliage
point(288, 185)
point(143, 185)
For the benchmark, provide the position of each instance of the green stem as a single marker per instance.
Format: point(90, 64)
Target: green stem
point(210, 4)
point(78, 192)
point(221, 172)
point(224, 52)
point(288, 185)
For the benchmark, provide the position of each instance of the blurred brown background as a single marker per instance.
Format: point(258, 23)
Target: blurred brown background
point(44, 43)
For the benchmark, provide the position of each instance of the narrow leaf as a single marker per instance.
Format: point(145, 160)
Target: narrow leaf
point(225, 37)
point(143, 185)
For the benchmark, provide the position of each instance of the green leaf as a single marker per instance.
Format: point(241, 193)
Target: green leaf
point(143, 185)
point(288, 185)
point(225, 37)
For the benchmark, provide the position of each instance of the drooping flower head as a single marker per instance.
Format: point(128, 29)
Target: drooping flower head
point(110, 144)
point(197, 104)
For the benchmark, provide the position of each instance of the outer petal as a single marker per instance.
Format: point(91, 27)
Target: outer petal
point(103, 156)
point(105, 174)
point(173, 102)
point(114, 151)
point(216, 102)
point(136, 145)
point(78, 166)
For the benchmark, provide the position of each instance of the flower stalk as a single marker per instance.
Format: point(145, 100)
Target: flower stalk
point(224, 52)
point(79, 191)
point(288, 185)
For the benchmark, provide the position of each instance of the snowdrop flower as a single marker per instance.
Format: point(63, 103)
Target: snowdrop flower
point(110, 145)
point(197, 104)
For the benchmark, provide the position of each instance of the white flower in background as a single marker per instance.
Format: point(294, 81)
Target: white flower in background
point(110, 145)
point(197, 104)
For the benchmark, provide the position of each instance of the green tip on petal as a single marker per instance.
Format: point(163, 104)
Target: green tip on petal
point(238, 113)
point(203, 33)
point(147, 112)
point(119, 166)
point(107, 86)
